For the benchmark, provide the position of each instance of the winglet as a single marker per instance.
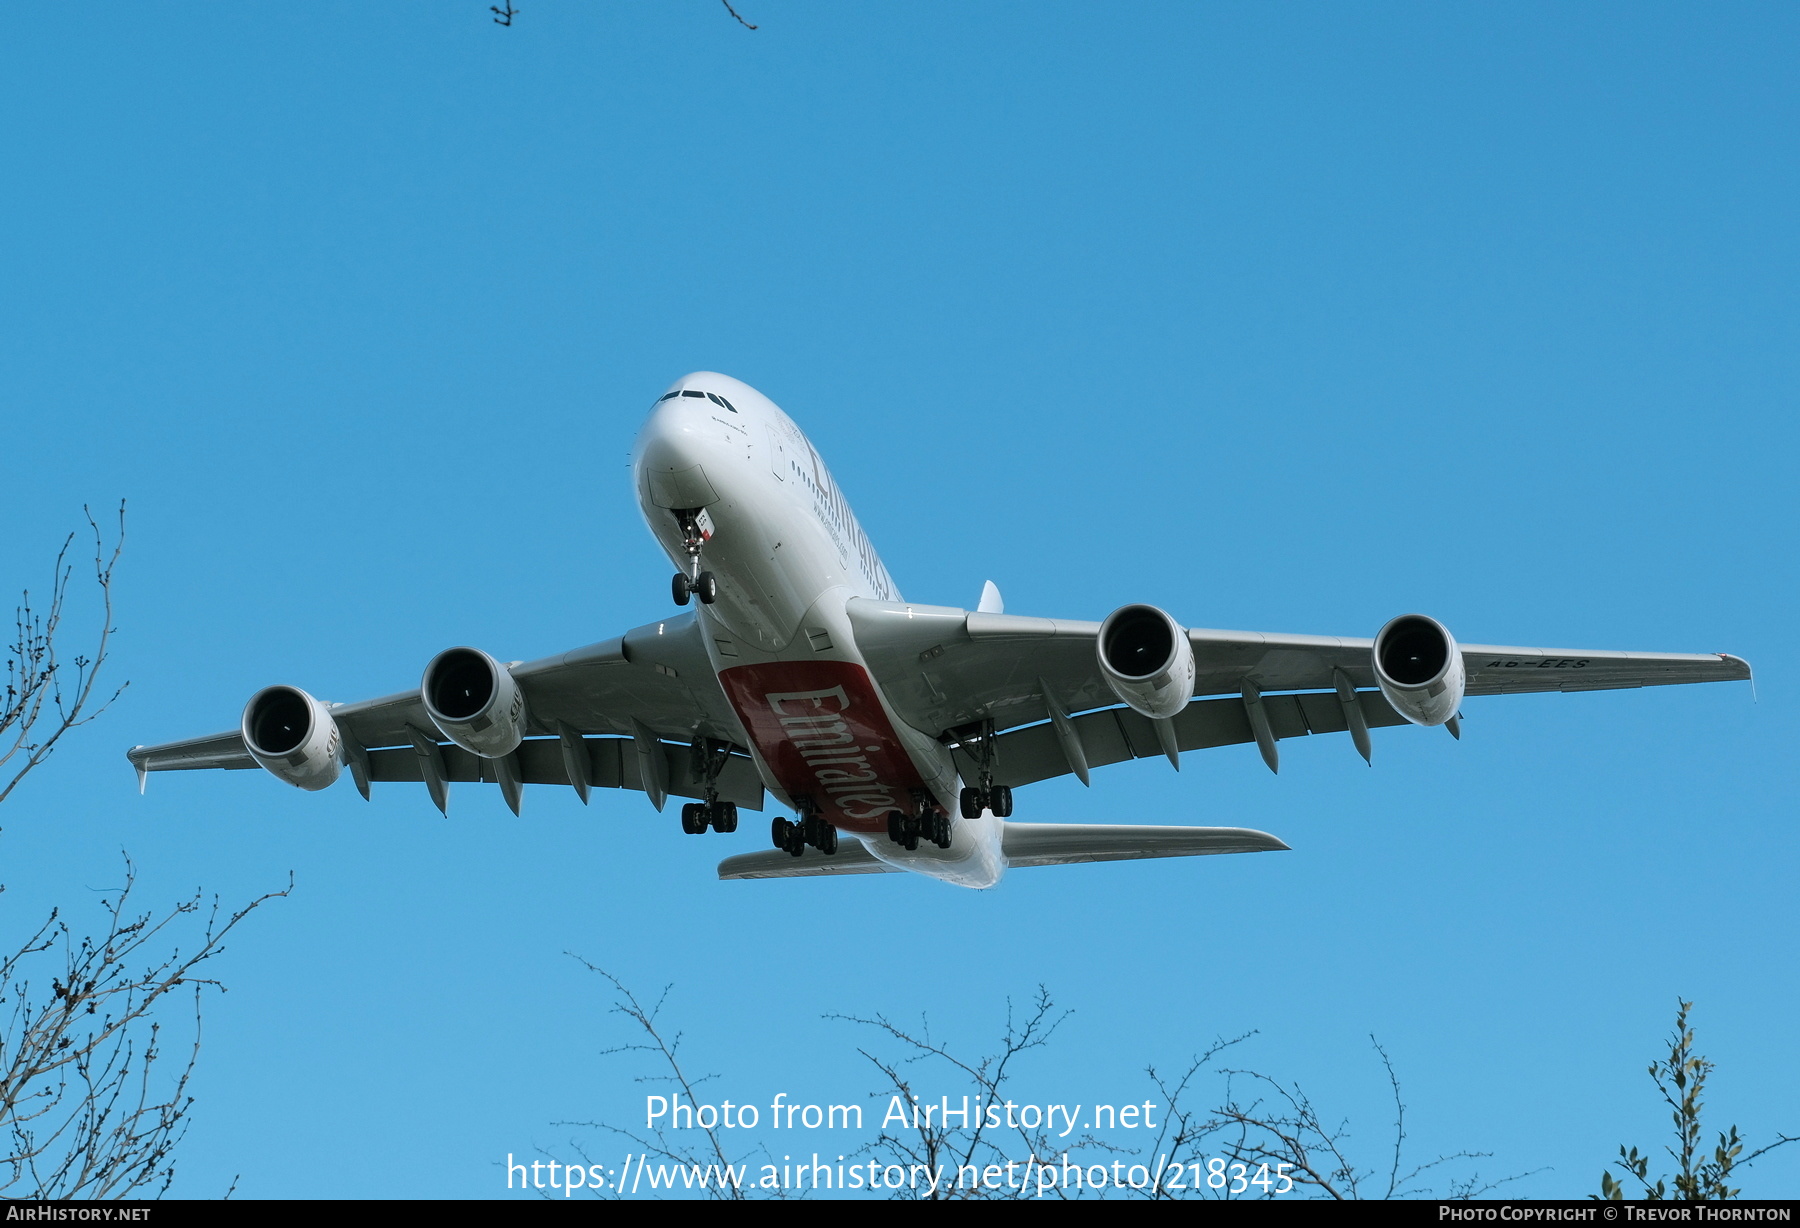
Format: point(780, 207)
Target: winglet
point(1749, 673)
point(991, 601)
point(142, 771)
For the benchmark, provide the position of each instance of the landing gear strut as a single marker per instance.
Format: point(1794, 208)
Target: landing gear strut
point(707, 758)
point(696, 531)
point(984, 795)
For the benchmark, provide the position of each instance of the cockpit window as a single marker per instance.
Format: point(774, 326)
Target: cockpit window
point(690, 392)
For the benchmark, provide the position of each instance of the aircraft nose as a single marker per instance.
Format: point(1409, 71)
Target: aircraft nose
point(676, 448)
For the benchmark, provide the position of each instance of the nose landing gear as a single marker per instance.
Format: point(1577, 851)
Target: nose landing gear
point(696, 531)
point(704, 586)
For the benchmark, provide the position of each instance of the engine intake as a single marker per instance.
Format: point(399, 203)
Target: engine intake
point(1146, 659)
point(474, 702)
point(1420, 669)
point(293, 735)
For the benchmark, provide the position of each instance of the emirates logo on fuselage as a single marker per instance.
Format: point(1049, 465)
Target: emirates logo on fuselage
point(826, 737)
point(815, 726)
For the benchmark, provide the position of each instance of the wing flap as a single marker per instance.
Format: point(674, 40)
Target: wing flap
point(612, 764)
point(1113, 735)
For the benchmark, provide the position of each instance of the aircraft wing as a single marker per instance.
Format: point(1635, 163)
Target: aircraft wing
point(646, 678)
point(949, 670)
point(1025, 845)
point(947, 667)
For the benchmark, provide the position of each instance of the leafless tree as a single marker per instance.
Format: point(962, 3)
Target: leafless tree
point(503, 16)
point(46, 695)
point(1239, 1148)
point(90, 1106)
point(973, 1141)
point(709, 1156)
point(1278, 1125)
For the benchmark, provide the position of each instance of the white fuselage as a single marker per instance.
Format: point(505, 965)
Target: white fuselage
point(788, 556)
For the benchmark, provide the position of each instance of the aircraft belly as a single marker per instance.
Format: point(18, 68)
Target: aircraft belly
point(823, 733)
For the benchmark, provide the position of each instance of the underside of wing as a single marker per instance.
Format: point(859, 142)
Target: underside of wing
point(1517, 671)
point(1060, 844)
point(1116, 735)
point(651, 684)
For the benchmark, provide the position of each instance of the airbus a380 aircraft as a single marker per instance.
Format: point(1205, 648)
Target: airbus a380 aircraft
point(801, 673)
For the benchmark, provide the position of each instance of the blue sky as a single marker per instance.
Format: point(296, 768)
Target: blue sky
point(1282, 317)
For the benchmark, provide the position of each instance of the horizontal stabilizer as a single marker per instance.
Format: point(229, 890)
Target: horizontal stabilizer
point(851, 858)
point(1060, 844)
point(1025, 844)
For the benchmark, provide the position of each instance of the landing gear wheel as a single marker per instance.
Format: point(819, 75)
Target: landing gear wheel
point(724, 817)
point(693, 818)
point(706, 587)
point(680, 588)
point(970, 802)
point(828, 837)
point(896, 827)
point(940, 829)
point(1000, 801)
point(779, 831)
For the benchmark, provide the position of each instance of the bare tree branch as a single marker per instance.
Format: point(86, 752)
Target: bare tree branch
point(84, 1109)
point(43, 700)
point(937, 1143)
point(665, 1052)
point(735, 13)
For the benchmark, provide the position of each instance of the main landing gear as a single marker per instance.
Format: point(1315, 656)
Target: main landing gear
point(927, 822)
point(984, 794)
point(811, 829)
point(696, 817)
point(997, 798)
point(696, 531)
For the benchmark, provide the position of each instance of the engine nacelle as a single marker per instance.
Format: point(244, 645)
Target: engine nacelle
point(292, 735)
point(1420, 669)
point(1146, 659)
point(474, 702)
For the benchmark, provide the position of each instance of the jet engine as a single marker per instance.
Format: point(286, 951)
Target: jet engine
point(1419, 669)
point(292, 735)
point(1146, 659)
point(474, 701)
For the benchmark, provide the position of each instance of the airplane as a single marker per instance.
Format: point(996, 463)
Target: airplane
point(801, 675)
